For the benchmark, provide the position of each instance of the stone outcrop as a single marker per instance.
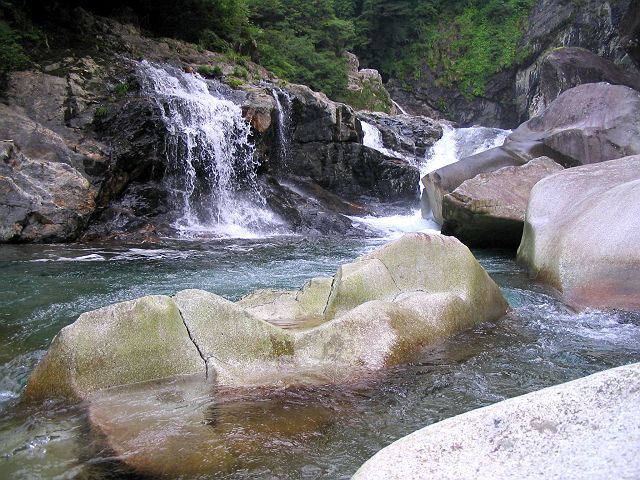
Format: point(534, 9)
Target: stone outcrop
point(489, 209)
point(587, 428)
point(568, 67)
point(408, 135)
point(586, 124)
point(608, 28)
point(375, 312)
point(582, 233)
point(365, 90)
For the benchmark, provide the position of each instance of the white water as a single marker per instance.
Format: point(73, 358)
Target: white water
point(456, 143)
point(284, 123)
point(373, 139)
point(211, 167)
point(402, 110)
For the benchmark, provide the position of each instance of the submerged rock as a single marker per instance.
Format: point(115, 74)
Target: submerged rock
point(489, 209)
point(375, 312)
point(587, 124)
point(582, 233)
point(587, 428)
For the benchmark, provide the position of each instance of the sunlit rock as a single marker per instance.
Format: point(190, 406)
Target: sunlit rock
point(587, 429)
point(377, 311)
point(582, 234)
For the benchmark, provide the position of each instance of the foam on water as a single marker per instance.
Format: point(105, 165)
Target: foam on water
point(211, 173)
point(373, 139)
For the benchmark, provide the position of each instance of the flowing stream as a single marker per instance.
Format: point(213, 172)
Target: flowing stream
point(456, 143)
point(323, 432)
point(540, 343)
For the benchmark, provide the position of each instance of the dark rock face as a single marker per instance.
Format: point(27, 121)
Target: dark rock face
point(588, 124)
point(489, 209)
point(353, 170)
point(608, 28)
point(565, 68)
point(406, 134)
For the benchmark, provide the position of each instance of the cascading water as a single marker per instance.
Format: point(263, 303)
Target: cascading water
point(373, 139)
point(284, 123)
point(455, 143)
point(210, 163)
point(402, 110)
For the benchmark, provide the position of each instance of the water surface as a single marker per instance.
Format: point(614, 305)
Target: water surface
point(285, 433)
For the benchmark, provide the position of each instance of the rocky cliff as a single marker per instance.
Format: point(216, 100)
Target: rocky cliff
point(610, 29)
point(84, 152)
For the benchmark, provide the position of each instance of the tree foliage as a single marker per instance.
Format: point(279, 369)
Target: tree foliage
point(463, 42)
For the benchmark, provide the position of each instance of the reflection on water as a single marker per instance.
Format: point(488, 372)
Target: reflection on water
point(287, 432)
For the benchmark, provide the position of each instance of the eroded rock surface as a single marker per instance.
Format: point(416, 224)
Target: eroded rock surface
point(587, 124)
point(582, 233)
point(375, 312)
point(489, 209)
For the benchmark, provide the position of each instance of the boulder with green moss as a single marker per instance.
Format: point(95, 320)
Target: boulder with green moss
point(377, 311)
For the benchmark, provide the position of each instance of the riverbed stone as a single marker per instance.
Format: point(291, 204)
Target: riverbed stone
point(124, 343)
point(489, 209)
point(587, 429)
point(582, 233)
point(590, 123)
point(376, 311)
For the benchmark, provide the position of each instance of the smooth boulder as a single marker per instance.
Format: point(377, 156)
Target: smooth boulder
point(584, 429)
point(129, 342)
point(582, 233)
point(566, 67)
point(590, 123)
point(488, 210)
point(377, 311)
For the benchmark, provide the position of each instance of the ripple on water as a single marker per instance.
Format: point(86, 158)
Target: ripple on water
point(538, 344)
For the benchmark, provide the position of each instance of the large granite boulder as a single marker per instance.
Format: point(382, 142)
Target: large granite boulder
point(489, 209)
point(374, 312)
point(586, 124)
point(582, 233)
point(129, 342)
point(587, 429)
point(568, 67)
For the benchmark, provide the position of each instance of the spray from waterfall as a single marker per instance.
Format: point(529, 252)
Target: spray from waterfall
point(455, 143)
point(210, 160)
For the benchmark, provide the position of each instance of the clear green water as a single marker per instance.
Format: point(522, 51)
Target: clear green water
point(43, 288)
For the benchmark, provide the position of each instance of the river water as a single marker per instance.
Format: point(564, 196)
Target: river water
point(540, 343)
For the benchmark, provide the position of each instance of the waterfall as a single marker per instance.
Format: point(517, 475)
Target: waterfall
point(373, 139)
point(210, 163)
point(402, 110)
point(284, 123)
point(457, 143)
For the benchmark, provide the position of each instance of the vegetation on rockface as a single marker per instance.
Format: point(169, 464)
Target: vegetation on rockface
point(463, 42)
